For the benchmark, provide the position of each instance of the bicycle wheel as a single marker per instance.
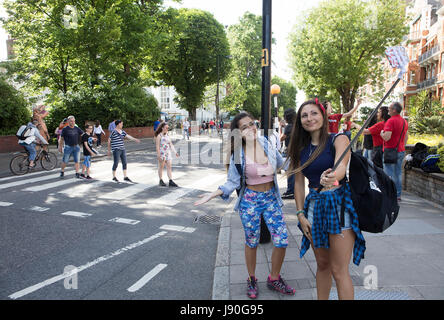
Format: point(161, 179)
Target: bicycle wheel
point(48, 161)
point(19, 165)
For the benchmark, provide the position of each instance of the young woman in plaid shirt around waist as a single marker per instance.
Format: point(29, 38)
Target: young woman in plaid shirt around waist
point(312, 153)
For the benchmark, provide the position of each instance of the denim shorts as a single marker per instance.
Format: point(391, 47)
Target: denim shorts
point(252, 206)
point(74, 151)
point(87, 161)
point(347, 220)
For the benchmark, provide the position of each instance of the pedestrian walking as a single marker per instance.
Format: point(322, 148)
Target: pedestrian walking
point(58, 130)
point(88, 152)
point(117, 146)
point(374, 132)
point(69, 140)
point(98, 131)
point(30, 141)
point(164, 147)
point(252, 170)
point(289, 116)
point(334, 119)
point(112, 126)
point(334, 234)
point(395, 137)
point(186, 128)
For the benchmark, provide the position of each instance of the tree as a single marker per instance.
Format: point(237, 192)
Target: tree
point(340, 44)
point(14, 109)
point(190, 56)
point(244, 83)
point(287, 97)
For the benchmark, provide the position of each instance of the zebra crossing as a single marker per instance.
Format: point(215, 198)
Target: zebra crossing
point(145, 178)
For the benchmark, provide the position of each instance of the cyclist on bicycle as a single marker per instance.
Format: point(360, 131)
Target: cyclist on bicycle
point(30, 142)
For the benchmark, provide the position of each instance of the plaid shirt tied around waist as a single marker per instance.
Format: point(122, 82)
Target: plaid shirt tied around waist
point(326, 220)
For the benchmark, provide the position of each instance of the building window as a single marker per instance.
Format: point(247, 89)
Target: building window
point(412, 77)
point(442, 62)
point(164, 98)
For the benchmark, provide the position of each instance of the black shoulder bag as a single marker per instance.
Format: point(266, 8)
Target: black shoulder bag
point(391, 154)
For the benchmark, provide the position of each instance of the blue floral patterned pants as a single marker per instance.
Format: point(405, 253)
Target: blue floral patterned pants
point(252, 206)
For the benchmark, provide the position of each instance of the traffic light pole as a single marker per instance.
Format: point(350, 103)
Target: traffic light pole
point(265, 236)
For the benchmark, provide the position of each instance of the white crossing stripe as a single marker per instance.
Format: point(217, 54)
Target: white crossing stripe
point(172, 198)
point(127, 192)
point(29, 181)
point(51, 185)
point(5, 204)
point(82, 189)
point(123, 220)
point(39, 209)
point(62, 276)
point(33, 174)
point(76, 214)
point(177, 228)
point(144, 280)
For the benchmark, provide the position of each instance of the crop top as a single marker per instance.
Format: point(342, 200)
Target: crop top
point(258, 173)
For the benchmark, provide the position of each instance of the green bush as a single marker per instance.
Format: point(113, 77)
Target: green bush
point(441, 158)
point(14, 109)
point(133, 105)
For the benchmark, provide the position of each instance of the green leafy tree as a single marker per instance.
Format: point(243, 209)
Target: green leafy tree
point(189, 59)
point(244, 83)
point(14, 109)
point(340, 43)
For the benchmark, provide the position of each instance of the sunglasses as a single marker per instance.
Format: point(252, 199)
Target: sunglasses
point(248, 125)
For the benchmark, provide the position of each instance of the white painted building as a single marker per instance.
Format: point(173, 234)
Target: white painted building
point(165, 96)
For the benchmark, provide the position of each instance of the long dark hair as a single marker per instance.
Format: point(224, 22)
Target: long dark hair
point(385, 113)
point(301, 138)
point(234, 128)
point(159, 128)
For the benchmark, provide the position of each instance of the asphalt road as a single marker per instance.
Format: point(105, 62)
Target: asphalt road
point(118, 240)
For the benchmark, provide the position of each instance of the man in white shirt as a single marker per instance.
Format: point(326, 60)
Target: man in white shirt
point(31, 140)
point(186, 127)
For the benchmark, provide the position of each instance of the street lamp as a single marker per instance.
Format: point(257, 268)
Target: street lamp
point(275, 90)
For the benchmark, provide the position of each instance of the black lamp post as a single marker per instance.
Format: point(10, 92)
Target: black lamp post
point(265, 236)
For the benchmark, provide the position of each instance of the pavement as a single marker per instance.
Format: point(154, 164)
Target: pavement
point(406, 262)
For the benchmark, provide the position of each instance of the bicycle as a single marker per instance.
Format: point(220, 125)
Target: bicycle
point(19, 164)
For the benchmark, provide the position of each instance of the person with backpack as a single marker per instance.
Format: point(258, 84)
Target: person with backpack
point(395, 137)
point(334, 234)
point(28, 136)
point(253, 163)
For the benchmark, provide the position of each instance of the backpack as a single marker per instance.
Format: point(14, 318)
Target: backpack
point(417, 156)
point(24, 132)
point(430, 164)
point(373, 194)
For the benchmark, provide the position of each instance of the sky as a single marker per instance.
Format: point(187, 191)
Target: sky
point(285, 15)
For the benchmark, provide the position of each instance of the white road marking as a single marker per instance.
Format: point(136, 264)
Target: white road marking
point(177, 228)
point(82, 189)
point(39, 209)
point(126, 221)
point(172, 198)
point(32, 174)
point(76, 214)
point(104, 258)
point(5, 204)
point(29, 181)
point(144, 280)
